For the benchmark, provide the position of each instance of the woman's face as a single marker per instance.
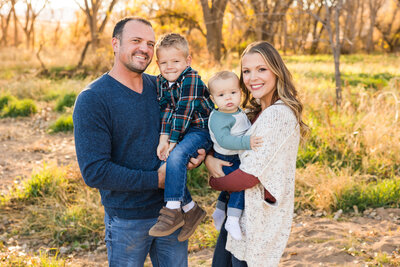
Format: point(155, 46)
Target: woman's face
point(258, 78)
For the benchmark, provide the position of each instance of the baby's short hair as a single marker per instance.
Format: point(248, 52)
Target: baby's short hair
point(173, 40)
point(222, 75)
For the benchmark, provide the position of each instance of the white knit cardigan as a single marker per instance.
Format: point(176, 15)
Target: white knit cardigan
point(266, 227)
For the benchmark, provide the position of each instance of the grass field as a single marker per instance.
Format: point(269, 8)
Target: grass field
point(351, 158)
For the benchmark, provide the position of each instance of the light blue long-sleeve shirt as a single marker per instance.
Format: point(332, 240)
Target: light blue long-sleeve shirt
point(227, 131)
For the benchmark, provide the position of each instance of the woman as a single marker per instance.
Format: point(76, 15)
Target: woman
point(277, 116)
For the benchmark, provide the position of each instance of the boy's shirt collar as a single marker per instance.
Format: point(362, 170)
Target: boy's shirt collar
point(179, 80)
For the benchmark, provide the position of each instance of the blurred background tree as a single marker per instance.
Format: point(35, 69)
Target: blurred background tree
point(217, 30)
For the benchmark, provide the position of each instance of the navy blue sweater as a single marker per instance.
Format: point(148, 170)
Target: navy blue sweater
point(116, 136)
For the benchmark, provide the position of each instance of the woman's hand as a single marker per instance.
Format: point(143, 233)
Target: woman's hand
point(215, 165)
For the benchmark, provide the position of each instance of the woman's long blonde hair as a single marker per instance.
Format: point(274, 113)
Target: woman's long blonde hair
point(285, 89)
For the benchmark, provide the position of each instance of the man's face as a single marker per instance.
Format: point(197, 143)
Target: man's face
point(136, 48)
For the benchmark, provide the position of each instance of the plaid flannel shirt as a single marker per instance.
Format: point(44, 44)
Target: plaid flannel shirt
point(186, 103)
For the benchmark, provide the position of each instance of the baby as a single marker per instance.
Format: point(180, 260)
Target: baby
point(228, 125)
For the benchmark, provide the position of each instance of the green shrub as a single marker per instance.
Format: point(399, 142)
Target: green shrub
point(5, 99)
point(56, 204)
point(197, 181)
point(17, 108)
point(50, 96)
point(66, 100)
point(384, 193)
point(43, 184)
point(335, 154)
point(40, 259)
point(375, 81)
point(367, 80)
point(63, 124)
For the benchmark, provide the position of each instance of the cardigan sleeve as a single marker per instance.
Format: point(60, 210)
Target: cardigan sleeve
point(276, 125)
point(239, 180)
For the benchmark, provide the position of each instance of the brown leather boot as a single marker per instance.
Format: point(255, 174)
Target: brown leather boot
point(168, 222)
point(192, 219)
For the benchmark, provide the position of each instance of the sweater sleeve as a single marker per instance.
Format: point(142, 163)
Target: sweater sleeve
point(221, 128)
point(238, 180)
point(93, 143)
point(276, 125)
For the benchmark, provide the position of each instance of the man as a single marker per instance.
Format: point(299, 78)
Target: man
point(117, 125)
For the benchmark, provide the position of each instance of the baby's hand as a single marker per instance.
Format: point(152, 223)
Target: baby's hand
point(162, 151)
point(255, 141)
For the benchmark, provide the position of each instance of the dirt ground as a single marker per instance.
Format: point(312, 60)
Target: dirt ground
point(368, 239)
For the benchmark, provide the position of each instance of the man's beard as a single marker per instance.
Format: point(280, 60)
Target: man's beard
point(133, 68)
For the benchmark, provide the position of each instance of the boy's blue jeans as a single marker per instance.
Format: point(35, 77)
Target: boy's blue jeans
point(236, 199)
point(128, 243)
point(176, 173)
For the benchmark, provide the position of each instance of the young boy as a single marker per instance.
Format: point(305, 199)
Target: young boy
point(227, 127)
point(185, 108)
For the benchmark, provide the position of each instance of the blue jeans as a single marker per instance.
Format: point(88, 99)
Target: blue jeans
point(176, 174)
point(236, 199)
point(128, 243)
point(222, 257)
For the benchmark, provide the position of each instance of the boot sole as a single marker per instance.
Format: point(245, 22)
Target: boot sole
point(165, 233)
point(184, 238)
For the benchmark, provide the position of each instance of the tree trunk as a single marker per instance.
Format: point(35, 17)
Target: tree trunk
point(390, 36)
point(336, 52)
point(95, 31)
point(315, 43)
point(16, 42)
point(285, 36)
point(335, 45)
point(213, 18)
point(83, 54)
point(268, 17)
point(370, 42)
point(5, 23)
point(316, 34)
point(93, 25)
point(374, 6)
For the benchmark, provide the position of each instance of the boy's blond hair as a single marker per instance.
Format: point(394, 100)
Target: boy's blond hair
point(222, 75)
point(174, 40)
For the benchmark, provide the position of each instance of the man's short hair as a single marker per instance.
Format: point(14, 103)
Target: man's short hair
point(222, 75)
point(119, 27)
point(174, 40)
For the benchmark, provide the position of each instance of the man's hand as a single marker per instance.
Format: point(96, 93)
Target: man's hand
point(195, 162)
point(255, 141)
point(214, 166)
point(161, 176)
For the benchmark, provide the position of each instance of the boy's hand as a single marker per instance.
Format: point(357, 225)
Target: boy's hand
point(162, 151)
point(255, 141)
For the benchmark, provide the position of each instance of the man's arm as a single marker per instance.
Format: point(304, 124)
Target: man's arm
point(92, 131)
